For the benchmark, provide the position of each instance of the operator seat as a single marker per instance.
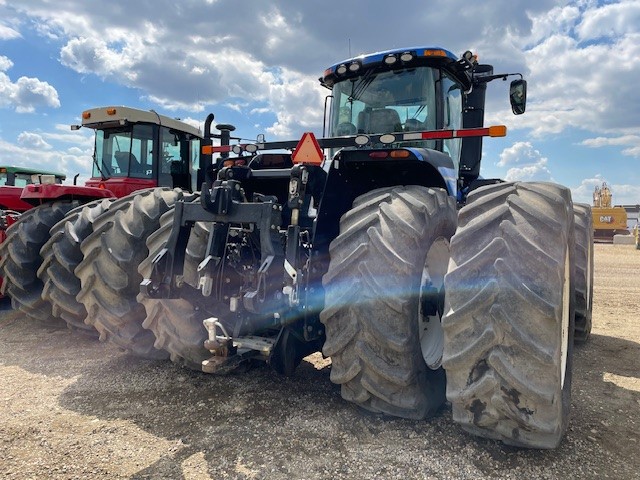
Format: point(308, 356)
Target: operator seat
point(127, 162)
point(413, 125)
point(346, 128)
point(381, 120)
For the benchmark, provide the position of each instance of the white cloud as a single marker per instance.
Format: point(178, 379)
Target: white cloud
point(632, 142)
point(93, 55)
point(525, 162)
point(297, 99)
point(577, 81)
point(64, 134)
point(558, 19)
point(520, 153)
point(30, 93)
point(33, 140)
point(69, 161)
point(238, 107)
point(26, 94)
point(610, 20)
point(529, 173)
point(5, 63)
point(8, 33)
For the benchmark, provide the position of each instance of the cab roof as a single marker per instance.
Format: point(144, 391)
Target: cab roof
point(399, 57)
point(29, 171)
point(98, 117)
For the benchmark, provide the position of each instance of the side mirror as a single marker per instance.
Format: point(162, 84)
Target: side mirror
point(518, 96)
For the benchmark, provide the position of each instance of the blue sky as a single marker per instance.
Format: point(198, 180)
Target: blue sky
point(255, 64)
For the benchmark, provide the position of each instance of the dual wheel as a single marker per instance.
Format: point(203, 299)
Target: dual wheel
point(504, 329)
point(64, 262)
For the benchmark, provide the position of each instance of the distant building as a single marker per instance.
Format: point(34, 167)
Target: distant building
point(633, 214)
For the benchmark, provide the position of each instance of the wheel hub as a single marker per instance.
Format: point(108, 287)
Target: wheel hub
point(564, 334)
point(431, 303)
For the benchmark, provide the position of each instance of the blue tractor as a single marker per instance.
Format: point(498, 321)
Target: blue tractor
point(381, 246)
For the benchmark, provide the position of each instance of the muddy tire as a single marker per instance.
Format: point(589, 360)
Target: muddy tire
point(177, 322)
point(21, 260)
point(109, 275)
point(509, 314)
point(61, 254)
point(583, 270)
point(372, 312)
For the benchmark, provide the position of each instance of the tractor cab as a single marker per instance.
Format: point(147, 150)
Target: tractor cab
point(21, 176)
point(418, 89)
point(400, 91)
point(12, 181)
point(136, 149)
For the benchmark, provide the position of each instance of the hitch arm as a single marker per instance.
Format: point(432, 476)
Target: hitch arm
point(169, 263)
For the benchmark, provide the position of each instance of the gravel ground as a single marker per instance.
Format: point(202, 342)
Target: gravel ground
point(71, 407)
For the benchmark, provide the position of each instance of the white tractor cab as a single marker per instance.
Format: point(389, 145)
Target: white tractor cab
point(137, 149)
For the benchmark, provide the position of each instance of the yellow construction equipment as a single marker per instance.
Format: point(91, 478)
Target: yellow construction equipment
point(607, 220)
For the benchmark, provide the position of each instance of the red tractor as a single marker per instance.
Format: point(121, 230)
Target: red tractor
point(135, 151)
point(12, 181)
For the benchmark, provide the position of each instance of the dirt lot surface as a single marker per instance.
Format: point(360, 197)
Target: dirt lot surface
point(71, 407)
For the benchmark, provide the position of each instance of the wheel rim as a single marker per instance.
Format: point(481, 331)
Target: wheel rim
point(431, 302)
point(566, 303)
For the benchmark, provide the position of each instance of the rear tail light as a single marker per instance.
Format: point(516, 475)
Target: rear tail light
point(390, 153)
point(400, 154)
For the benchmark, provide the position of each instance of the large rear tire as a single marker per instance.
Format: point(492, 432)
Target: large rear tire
point(583, 271)
point(177, 322)
point(61, 254)
point(509, 314)
point(21, 260)
point(393, 248)
point(109, 275)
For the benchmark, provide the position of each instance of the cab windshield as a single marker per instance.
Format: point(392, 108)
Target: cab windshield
point(405, 100)
point(385, 102)
point(124, 152)
point(19, 179)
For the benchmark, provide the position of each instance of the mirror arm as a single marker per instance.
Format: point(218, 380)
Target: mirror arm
point(490, 78)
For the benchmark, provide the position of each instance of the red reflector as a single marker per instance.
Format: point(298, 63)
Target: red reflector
point(437, 134)
point(400, 154)
point(240, 162)
point(101, 185)
point(383, 154)
point(473, 132)
point(308, 151)
point(210, 149)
